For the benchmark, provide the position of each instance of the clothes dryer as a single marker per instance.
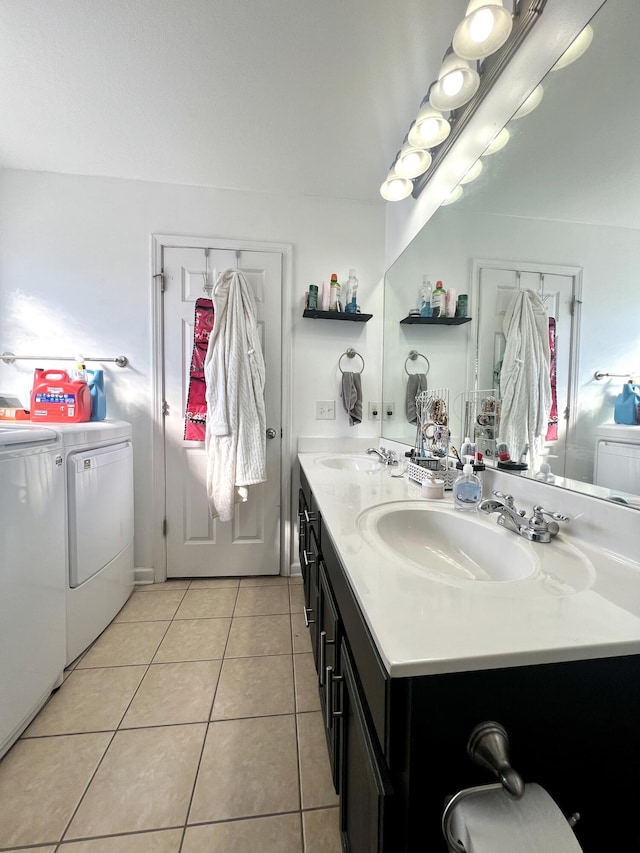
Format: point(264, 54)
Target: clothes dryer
point(98, 461)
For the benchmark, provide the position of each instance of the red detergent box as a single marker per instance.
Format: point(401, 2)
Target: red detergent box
point(56, 399)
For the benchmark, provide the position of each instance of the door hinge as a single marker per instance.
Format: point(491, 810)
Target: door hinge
point(575, 302)
point(164, 526)
point(160, 277)
point(165, 408)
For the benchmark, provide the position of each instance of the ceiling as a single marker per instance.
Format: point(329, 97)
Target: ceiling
point(294, 97)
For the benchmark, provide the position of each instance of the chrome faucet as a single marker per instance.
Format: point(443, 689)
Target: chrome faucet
point(386, 456)
point(535, 529)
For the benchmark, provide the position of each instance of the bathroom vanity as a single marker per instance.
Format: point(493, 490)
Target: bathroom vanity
point(411, 656)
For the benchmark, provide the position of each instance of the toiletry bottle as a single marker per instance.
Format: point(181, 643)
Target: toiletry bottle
point(80, 373)
point(424, 297)
point(334, 296)
point(438, 300)
point(350, 295)
point(467, 489)
point(467, 447)
point(313, 297)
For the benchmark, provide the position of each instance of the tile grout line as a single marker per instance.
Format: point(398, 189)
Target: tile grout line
point(93, 776)
point(206, 732)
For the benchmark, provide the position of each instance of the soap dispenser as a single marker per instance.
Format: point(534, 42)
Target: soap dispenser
point(467, 489)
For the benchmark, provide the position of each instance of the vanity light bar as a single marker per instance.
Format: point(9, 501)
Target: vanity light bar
point(525, 15)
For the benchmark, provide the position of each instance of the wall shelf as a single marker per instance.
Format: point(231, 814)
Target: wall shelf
point(315, 314)
point(436, 321)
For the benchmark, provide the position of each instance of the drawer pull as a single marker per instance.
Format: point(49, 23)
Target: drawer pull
point(309, 516)
point(308, 561)
point(331, 680)
point(323, 657)
point(306, 612)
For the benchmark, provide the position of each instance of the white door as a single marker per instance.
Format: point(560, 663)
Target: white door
point(557, 291)
point(198, 546)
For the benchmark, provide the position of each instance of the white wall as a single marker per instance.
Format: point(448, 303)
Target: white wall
point(75, 277)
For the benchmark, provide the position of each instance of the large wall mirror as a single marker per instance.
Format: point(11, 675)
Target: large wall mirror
point(557, 210)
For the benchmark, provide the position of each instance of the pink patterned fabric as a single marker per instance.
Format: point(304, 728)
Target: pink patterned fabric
point(195, 418)
point(552, 430)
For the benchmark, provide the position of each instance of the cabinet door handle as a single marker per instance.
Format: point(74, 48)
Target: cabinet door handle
point(306, 611)
point(328, 695)
point(308, 561)
point(323, 657)
point(309, 516)
point(331, 680)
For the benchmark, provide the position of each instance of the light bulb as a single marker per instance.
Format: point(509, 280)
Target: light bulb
point(575, 50)
point(452, 83)
point(429, 129)
point(498, 142)
point(472, 173)
point(412, 161)
point(481, 25)
point(395, 188)
point(453, 196)
point(531, 103)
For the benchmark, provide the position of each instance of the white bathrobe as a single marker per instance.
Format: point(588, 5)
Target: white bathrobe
point(525, 382)
point(235, 377)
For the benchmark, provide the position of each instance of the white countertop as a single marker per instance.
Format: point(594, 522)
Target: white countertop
point(425, 625)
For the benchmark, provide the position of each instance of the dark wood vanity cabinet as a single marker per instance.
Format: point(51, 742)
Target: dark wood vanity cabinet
point(398, 745)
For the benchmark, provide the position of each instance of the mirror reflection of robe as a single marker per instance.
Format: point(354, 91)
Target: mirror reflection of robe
point(525, 383)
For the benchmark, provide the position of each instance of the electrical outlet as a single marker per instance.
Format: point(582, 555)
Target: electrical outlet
point(325, 410)
point(374, 411)
point(388, 411)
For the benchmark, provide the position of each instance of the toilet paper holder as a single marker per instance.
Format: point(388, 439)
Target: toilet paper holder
point(488, 746)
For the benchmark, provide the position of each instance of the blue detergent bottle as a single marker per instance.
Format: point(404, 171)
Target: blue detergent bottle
point(95, 381)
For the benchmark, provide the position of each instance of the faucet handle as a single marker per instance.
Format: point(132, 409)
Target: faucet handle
point(539, 511)
point(509, 502)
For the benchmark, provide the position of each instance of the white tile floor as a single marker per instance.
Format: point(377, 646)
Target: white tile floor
point(192, 724)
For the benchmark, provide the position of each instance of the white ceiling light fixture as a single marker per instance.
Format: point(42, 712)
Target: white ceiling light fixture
point(498, 142)
point(575, 50)
point(472, 173)
point(412, 161)
point(530, 104)
point(454, 195)
point(485, 28)
point(395, 188)
point(457, 83)
point(430, 127)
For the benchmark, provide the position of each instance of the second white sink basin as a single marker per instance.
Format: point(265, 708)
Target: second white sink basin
point(448, 544)
point(352, 463)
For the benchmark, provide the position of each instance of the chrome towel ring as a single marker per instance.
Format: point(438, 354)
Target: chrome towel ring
point(414, 355)
point(350, 353)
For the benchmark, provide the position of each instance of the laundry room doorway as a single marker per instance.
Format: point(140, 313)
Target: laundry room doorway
point(256, 540)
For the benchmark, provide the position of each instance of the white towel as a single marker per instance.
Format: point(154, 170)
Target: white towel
point(525, 381)
point(235, 441)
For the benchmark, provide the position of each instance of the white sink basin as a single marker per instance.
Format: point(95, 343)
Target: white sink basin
point(448, 544)
point(352, 463)
point(455, 547)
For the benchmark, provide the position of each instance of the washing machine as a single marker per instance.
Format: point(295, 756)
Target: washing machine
point(33, 580)
point(617, 458)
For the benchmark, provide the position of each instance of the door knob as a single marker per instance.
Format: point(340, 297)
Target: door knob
point(271, 433)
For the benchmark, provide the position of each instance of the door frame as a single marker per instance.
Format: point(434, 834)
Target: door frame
point(576, 319)
point(160, 242)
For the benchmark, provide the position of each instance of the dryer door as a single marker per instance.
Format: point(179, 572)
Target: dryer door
point(100, 510)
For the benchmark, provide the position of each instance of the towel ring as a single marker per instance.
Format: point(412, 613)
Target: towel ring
point(350, 353)
point(414, 355)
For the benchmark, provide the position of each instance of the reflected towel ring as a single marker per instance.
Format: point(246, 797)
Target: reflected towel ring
point(414, 355)
point(350, 353)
